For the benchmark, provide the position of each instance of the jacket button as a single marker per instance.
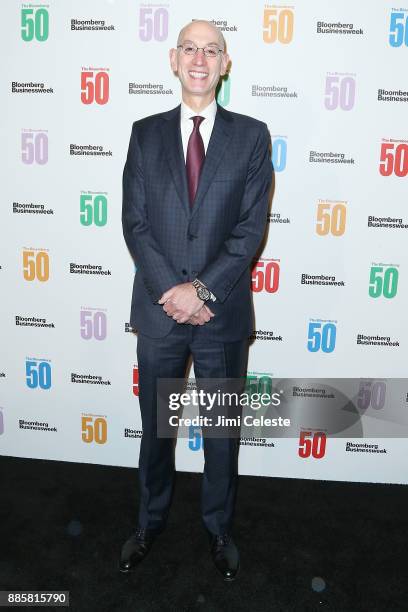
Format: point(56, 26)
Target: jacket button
point(190, 237)
point(184, 272)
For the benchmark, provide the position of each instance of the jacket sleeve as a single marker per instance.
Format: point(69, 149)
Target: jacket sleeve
point(237, 252)
point(158, 275)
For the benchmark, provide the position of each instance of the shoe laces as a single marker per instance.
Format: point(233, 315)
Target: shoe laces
point(140, 534)
point(222, 540)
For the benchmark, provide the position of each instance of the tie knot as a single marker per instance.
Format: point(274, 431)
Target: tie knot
point(197, 120)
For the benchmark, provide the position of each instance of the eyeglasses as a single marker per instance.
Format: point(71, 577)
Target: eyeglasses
point(209, 50)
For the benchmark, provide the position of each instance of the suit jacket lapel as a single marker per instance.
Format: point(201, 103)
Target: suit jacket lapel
point(173, 146)
point(220, 136)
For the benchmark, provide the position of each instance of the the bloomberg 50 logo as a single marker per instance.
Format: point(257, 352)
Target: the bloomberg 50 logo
point(93, 323)
point(398, 32)
point(153, 22)
point(312, 444)
point(278, 22)
point(279, 153)
point(383, 281)
point(265, 275)
point(34, 24)
point(321, 336)
point(38, 373)
point(135, 381)
point(34, 146)
point(94, 429)
point(36, 265)
point(340, 91)
point(331, 218)
point(371, 394)
point(94, 85)
point(224, 91)
point(93, 209)
point(393, 157)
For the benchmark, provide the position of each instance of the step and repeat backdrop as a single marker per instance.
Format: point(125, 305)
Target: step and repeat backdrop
point(331, 286)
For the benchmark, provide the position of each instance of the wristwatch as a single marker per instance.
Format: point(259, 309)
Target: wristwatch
point(202, 292)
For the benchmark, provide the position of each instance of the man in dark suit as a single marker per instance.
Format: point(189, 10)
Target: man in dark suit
point(195, 195)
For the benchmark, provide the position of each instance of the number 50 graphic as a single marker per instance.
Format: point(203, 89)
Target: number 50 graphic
point(371, 393)
point(38, 374)
point(94, 430)
point(93, 324)
point(321, 336)
point(315, 446)
point(153, 26)
point(398, 29)
point(265, 278)
point(224, 91)
point(195, 438)
point(93, 209)
point(279, 154)
point(278, 25)
point(331, 219)
point(383, 282)
point(34, 148)
point(36, 266)
point(340, 92)
point(34, 24)
point(94, 87)
point(394, 162)
point(135, 384)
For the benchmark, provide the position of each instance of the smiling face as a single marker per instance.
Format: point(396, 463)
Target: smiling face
point(198, 74)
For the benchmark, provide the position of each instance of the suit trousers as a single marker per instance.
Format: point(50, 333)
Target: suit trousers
point(168, 358)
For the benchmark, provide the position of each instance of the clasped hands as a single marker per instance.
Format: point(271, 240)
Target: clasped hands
point(184, 306)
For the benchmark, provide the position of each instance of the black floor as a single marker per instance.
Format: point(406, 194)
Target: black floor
point(305, 545)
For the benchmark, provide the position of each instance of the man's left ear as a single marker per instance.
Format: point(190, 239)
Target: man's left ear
point(225, 61)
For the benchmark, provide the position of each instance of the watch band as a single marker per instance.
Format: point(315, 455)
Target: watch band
point(197, 284)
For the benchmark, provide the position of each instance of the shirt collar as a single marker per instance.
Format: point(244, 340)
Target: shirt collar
point(209, 111)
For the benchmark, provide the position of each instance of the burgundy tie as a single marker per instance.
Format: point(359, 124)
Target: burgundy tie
point(195, 158)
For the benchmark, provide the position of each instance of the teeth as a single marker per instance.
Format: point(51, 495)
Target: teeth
point(198, 75)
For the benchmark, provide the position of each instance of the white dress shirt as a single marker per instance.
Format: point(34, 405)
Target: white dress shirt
point(206, 126)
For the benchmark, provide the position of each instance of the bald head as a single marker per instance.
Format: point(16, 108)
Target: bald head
point(199, 72)
point(202, 25)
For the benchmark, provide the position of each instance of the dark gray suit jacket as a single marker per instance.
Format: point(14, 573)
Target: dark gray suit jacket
point(216, 240)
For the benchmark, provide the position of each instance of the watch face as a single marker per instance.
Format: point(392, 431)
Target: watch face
point(203, 293)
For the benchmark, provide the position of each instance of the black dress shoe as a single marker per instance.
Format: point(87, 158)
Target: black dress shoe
point(135, 549)
point(225, 556)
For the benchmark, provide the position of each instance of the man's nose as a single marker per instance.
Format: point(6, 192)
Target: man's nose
point(199, 57)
